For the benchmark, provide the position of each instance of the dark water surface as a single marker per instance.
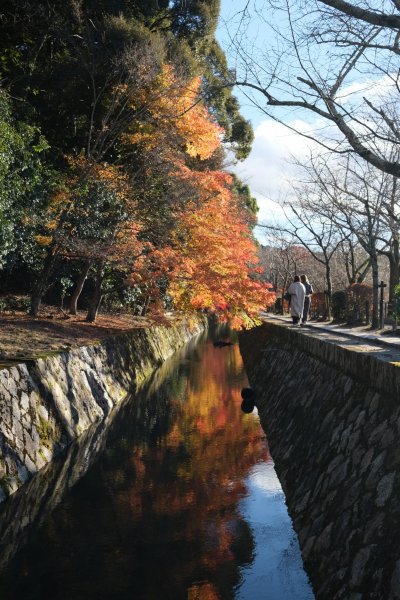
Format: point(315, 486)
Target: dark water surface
point(181, 502)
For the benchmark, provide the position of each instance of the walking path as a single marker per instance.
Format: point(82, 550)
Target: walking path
point(384, 344)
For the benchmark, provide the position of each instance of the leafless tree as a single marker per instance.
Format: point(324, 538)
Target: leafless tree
point(281, 258)
point(391, 239)
point(314, 231)
point(355, 196)
point(353, 259)
point(335, 59)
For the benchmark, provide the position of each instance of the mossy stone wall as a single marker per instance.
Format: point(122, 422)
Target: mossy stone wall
point(47, 402)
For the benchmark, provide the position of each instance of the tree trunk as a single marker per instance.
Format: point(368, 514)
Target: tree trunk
point(375, 292)
point(97, 297)
point(350, 266)
point(145, 306)
point(40, 286)
point(283, 294)
point(73, 303)
point(94, 306)
point(362, 274)
point(328, 276)
point(394, 260)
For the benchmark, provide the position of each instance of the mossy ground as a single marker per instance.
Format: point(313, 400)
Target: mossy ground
point(23, 338)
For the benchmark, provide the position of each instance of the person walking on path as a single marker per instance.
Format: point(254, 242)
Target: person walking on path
point(297, 293)
point(307, 299)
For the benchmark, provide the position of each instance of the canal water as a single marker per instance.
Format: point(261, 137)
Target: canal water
point(181, 503)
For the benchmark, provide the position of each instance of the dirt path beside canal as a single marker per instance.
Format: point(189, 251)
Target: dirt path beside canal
point(22, 336)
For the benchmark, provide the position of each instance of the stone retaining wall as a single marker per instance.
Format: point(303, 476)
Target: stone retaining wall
point(332, 420)
point(25, 511)
point(47, 402)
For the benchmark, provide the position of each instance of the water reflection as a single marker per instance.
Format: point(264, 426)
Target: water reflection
point(277, 570)
point(165, 512)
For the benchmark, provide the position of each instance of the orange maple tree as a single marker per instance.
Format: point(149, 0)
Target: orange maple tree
point(177, 231)
point(219, 263)
point(212, 259)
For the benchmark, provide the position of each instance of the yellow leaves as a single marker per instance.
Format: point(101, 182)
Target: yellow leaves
point(60, 199)
point(43, 240)
point(83, 171)
point(120, 89)
point(52, 225)
point(175, 111)
point(26, 220)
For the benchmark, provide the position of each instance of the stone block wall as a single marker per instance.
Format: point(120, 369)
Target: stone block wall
point(332, 420)
point(47, 402)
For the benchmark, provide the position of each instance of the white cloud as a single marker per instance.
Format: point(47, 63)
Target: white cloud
point(269, 170)
point(371, 88)
point(264, 477)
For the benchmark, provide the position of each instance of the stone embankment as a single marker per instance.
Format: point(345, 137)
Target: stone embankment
point(25, 511)
point(47, 402)
point(331, 412)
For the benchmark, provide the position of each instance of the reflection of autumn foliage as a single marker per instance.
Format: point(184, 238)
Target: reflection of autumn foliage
point(158, 516)
point(203, 590)
point(200, 464)
point(193, 476)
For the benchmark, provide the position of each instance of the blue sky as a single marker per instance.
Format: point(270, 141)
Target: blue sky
point(279, 50)
point(270, 171)
point(266, 170)
point(229, 18)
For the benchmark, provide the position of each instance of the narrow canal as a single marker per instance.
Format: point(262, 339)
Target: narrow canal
point(182, 502)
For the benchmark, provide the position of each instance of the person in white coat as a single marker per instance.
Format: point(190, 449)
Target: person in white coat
point(307, 299)
point(297, 293)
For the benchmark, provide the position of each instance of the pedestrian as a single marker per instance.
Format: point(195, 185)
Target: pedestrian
point(307, 299)
point(297, 293)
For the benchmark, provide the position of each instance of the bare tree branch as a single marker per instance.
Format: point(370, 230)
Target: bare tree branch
point(390, 21)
